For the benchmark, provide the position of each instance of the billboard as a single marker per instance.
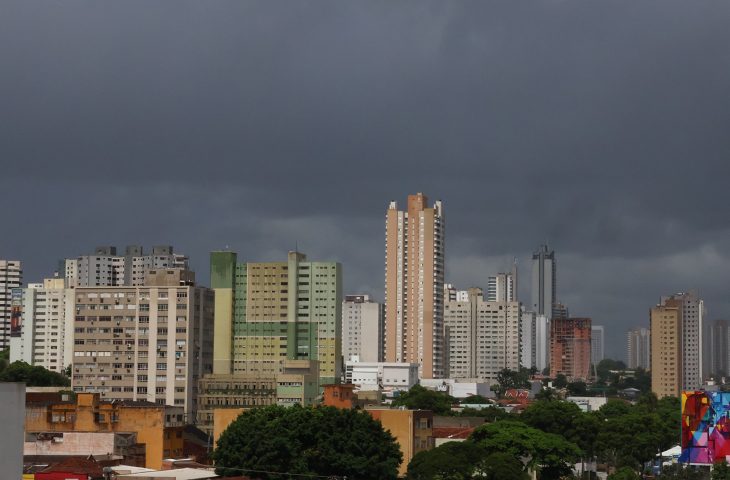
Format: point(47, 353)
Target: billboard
point(16, 322)
point(705, 427)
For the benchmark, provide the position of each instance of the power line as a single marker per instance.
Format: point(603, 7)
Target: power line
point(308, 475)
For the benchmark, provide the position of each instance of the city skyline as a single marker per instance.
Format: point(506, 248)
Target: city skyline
point(260, 133)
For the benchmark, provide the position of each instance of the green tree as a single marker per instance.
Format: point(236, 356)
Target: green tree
point(4, 359)
point(475, 400)
point(313, 441)
point(679, 472)
point(624, 473)
point(450, 461)
point(420, 398)
point(721, 471)
point(491, 413)
point(551, 454)
point(579, 389)
point(561, 381)
point(507, 379)
point(630, 440)
point(604, 368)
point(500, 466)
point(33, 376)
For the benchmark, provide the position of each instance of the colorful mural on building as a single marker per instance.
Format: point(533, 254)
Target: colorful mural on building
point(705, 427)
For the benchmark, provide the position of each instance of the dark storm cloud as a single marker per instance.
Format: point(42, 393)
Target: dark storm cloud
point(601, 127)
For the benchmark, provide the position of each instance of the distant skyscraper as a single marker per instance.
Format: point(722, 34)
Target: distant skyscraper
point(638, 349)
point(570, 347)
point(414, 285)
point(503, 286)
point(544, 281)
point(666, 348)
point(692, 313)
point(720, 340)
point(468, 323)
point(105, 268)
point(363, 326)
point(11, 277)
point(597, 344)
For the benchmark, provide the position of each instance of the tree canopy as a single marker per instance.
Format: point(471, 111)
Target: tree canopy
point(420, 398)
point(303, 440)
point(452, 461)
point(33, 376)
point(551, 454)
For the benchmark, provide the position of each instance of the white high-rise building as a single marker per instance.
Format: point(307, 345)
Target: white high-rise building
point(482, 337)
point(414, 285)
point(503, 286)
point(363, 326)
point(534, 340)
point(45, 325)
point(106, 268)
point(11, 277)
point(638, 349)
point(597, 344)
point(544, 282)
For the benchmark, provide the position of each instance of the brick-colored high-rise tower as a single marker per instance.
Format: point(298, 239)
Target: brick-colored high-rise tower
point(414, 277)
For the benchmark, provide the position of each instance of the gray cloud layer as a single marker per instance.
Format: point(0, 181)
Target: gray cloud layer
point(602, 127)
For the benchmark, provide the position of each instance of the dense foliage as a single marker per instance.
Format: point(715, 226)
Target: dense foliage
point(420, 398)
point(33, 376)
point(313, 441)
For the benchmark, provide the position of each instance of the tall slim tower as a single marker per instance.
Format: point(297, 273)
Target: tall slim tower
point(503, 286)
point(692, 316)
point(11, 276)
point(666, 348)
point(414, 277)
point(638, 348)
point(543, 281)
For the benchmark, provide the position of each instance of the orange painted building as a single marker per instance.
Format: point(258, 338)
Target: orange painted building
point(570, 348)
point(157, 427)
point(340, 396)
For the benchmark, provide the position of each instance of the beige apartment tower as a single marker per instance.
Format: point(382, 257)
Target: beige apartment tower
point(666, 355)
point(414, 277)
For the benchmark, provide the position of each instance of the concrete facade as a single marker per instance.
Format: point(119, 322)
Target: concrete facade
point(270, 312)
point(692, 309)
point(11, 277)
point(638, 348)
point(12, 413)
point(412, 429)
point(414, 282)
point(482, 338)
point(144, 343)
point(388, 376)
point(45, 325)
point(108, 268)
point(666, 345)
point(597, 344)
point(544, 282)
point(363, 329)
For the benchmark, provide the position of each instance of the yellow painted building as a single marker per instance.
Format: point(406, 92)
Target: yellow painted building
point(666, 353)
point(158, 427)
point(412, 429)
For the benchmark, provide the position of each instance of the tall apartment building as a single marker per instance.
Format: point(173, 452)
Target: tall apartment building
point(597, 344)
point(534, 340)
point(270, 312)
point(414, 282)
point(363, 329)
point(503, 286)
point(720, 353)
point(666, 348)
point(107, 268)
point(150, 342)
point(482, 337)
point(11, 277)
point(692, 313)
point(570, 348)
point(44, 326)
point(544, 281)
point(638, 349)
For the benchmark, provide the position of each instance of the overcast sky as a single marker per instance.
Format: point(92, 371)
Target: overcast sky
point(602, 127)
